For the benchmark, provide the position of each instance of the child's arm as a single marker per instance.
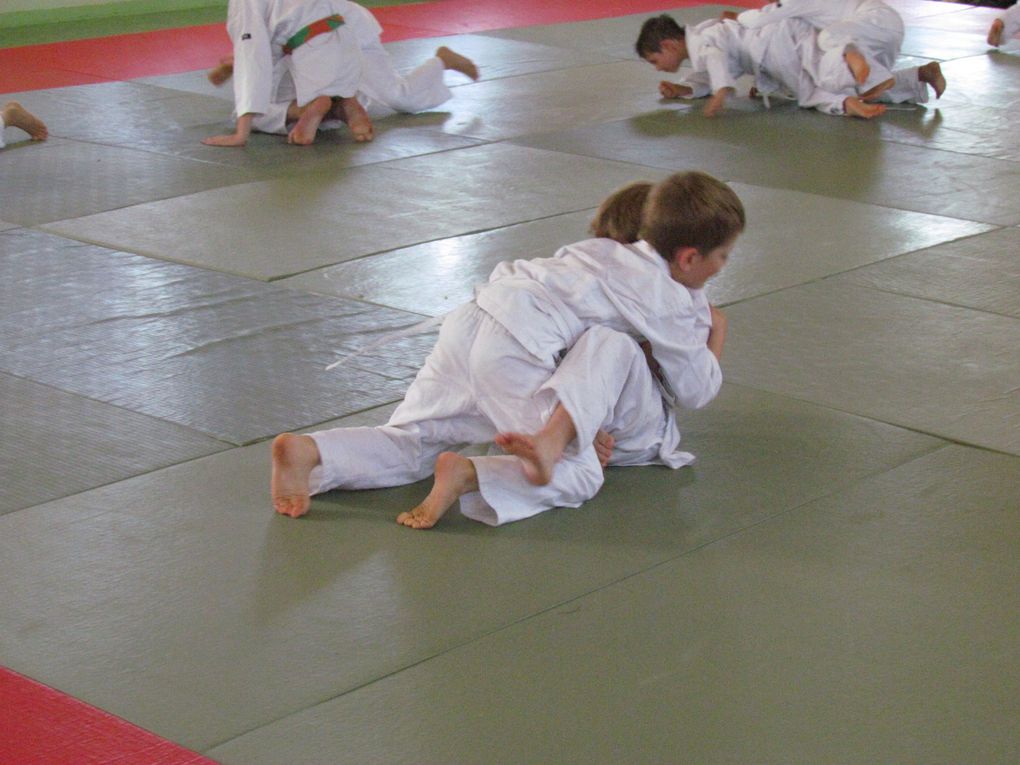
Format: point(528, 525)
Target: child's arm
point(717, 335)
point(715, 104)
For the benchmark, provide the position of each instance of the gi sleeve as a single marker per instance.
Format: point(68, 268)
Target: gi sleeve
point(769, 14)
point(253, 58)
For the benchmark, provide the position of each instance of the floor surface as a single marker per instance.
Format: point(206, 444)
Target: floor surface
point(834, 581)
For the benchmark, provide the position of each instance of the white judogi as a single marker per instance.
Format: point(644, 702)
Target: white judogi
point(382, 91)
point(872, 26)
point(783, 57)
point(497, 368)
point(326, 65)
point(1010, 22)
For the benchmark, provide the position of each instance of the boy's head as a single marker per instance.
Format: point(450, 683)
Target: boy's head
point(693, 221)
point(619, 216)
point(662, 43)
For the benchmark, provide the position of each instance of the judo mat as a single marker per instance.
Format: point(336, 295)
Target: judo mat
point(832, 581)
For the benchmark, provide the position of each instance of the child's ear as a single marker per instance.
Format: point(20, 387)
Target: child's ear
point(683, 257)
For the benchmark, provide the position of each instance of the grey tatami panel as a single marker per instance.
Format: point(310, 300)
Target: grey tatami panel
point(199, 614)
point(784, 244)
point(234, 358)
point(937, 368)
point(751, 145)
point(871, 626)
point(73, 178)
point(54, 444)
point(612, 36)
point(441, 195)
point(782, 247)
point(981, 272)
point(436, 277)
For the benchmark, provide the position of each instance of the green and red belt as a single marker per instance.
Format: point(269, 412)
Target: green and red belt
point(320, 27)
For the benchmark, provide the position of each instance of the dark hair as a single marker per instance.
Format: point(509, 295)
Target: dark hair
point(691, 209)
point(619, 215)
point(654, 31)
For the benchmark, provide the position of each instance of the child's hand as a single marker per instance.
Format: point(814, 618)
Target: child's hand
point(604, 447)
point(728, 15)
point(233, 139)
point(717, 101)
point(674, 90)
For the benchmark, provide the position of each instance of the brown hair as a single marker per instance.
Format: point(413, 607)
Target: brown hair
point(691, 209)
point(654, 31)
point(619, 215)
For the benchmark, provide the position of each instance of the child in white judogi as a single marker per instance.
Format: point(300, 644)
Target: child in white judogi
point(783, 58)
point(1005, 27)
point(15, 115)
point(539, 362)
point(870, 28)
point(382, 91)
point(308, 39)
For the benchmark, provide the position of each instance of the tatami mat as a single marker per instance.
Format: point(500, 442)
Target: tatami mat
point(863, 650)
point(831, 582)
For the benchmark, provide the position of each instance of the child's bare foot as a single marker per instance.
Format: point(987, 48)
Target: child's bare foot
point(931, 73)
point(876, 92)
point(855, 107)
point(858, 65)
point(538, 455)
point(303, 133)
point(293, 459)
point(458, 63)
point(995, 33)
point(222, 72)
point(455, 476)
point(357, 119)
point(16, 115)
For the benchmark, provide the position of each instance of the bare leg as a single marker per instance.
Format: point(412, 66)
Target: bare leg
point(858, 65)
point(357, 120)
point(995, 33)
point(294, 457)
point(877, 91)
point(540, 452)
point(858, 108)
point(312, 113)
point(456, 62)
point(455, 476)
point(16, 115)
point(931, 73)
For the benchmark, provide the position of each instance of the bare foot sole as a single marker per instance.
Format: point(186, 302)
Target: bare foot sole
point(16, 115)
point(995, 33)
point(458, 63)
point(354, 114)
point(537, 460)
point(293, 459)
point(877, 91)
point(858, 108)
point(455, 475)
point(858, 65)
point(931, 73)
point(303, 133)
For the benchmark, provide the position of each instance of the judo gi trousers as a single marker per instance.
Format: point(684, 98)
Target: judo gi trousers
point(479, 381)
point(383, 91)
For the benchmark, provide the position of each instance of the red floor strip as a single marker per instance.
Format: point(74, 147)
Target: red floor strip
point(168, 51)
point(41, 726)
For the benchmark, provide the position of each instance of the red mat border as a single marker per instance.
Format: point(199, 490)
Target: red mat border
point(169, 51)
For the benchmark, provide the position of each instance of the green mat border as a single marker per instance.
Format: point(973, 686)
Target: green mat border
point(48, 25)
